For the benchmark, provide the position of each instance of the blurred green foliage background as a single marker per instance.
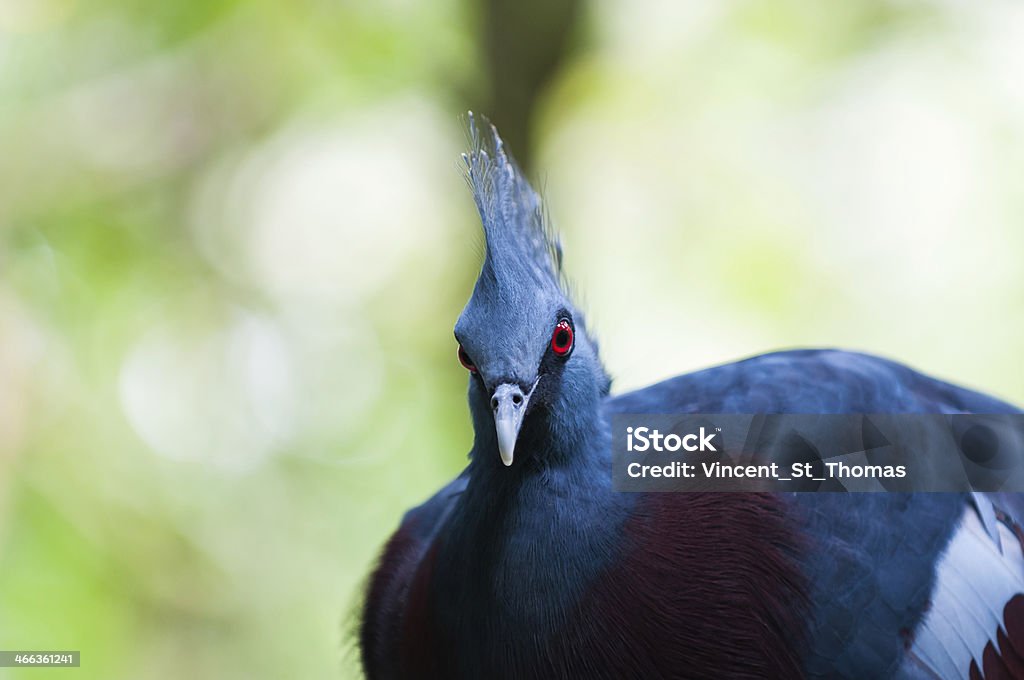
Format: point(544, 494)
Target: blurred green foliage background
point(234, 241)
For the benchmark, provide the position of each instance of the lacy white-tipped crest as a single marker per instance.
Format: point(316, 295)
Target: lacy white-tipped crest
point(515, 226)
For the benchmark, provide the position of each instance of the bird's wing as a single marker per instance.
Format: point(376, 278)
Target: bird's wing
point(914, 586)
point(974, 624)
point(870, 562)
point(388, 595)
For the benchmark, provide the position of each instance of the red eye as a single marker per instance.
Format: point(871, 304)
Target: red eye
point(561, 338)
point(466, 361)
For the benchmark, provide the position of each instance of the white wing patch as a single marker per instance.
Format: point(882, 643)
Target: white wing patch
point(976, 577)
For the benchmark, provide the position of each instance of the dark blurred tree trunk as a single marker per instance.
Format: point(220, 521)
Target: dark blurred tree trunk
point(525, 43)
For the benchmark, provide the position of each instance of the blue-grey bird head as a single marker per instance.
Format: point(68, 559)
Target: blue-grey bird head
point(535, 375)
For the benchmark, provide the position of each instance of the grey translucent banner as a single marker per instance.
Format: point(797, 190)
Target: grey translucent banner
point(807, 453)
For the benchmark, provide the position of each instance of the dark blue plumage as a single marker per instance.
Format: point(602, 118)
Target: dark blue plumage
point(528, 565)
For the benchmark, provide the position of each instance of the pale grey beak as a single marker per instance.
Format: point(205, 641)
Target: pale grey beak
point(509, 405)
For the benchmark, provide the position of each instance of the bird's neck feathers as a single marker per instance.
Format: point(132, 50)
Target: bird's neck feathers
point(547, 524)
